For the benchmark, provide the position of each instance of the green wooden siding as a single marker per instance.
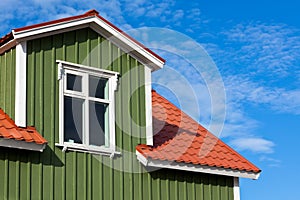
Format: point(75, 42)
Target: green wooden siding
point(54, 174)
point(8, 82)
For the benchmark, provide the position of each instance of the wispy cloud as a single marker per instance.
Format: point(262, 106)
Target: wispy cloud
point(18, 13)
point(272, 49)
point(272, 162)
point(241, 89)
point(256, 145)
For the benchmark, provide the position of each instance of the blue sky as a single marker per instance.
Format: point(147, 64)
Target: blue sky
point(254, 49)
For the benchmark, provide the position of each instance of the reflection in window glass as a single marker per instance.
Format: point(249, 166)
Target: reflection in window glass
point(98, 87)
point(74, 82)
point(73, 113)
point(98, 127)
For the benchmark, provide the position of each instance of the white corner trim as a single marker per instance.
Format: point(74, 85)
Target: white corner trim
point(236, 188)
point(196, 168)
point(148, 105)
point(20, 144)
point(20, 98)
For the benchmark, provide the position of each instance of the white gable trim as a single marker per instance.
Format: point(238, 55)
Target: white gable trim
point(20, 99)
point(148, 105)
point(100, 26)
point(53, 29)
point(236, 188)
point(195, 168)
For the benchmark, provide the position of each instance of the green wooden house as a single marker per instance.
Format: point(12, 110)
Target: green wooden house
point(78, 120)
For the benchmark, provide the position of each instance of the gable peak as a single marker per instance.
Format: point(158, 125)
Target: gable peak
point(92, 12)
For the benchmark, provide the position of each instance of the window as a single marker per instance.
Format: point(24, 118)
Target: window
point(87, 120)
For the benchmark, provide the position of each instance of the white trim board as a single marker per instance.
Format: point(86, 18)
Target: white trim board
point(20, 92)
point(98, 151)
point(20, 144)
point(148, 107)
point(195, 168)
point(236, 188)
point(84, 68)
point(100, 26)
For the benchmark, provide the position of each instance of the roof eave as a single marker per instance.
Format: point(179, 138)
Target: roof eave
point(196, 168)
point(21, 144)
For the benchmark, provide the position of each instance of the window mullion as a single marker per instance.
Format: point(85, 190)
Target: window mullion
point(104, 101)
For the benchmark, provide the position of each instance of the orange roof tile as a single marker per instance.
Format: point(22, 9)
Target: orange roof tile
point(181, 139)
point(9, 130)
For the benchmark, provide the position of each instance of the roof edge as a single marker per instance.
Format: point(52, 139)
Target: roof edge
point(19, 33)
point(211, 134)
point(6, 39)
point(196, 168)
point(21, 144)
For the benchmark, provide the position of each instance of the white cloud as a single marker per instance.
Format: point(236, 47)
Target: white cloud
point(272, 162)
point(240, 89)
point(254, 144)
point(18, 13)
point(272, 49)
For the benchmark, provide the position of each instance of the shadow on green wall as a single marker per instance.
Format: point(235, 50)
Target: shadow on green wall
point(47, 157)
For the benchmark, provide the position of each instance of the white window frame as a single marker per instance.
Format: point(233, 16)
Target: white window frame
point(85, 71)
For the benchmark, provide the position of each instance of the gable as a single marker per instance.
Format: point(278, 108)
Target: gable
point(90, 19)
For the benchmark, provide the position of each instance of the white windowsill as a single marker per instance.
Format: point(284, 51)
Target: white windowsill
point(88, 149)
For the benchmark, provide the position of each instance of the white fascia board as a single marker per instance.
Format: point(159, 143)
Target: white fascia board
point(114, 36)
point(20, 144)
point(196, 168)
point(52, 27)
point(236, 188)
point(133, 46)
point(148, 107)
point(20, 91)
point(141, 158)
point(7, 46)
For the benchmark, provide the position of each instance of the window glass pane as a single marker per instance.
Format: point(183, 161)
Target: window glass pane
point(74, 82)
point(73, 119)
point(98, 87)
point(98, 124)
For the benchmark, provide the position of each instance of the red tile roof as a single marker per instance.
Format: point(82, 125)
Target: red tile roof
point(6, 38)
point(9, 130)
point(90, 13)
point(181, 139)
